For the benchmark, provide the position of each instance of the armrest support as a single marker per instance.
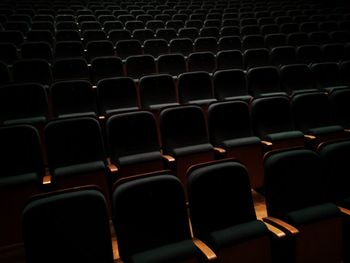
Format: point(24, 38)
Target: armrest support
point(281, 225)
point(276, 232)
point(209, 254)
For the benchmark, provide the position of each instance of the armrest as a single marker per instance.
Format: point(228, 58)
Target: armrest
point(111, 167)
point(219, 150)
point(266, 143)
point(309, 137)
point(281, 225)
point(347, 130)
point(209, 254)
point(344, 210)
point(47, 177)
point(276, 232)
point(169, 158)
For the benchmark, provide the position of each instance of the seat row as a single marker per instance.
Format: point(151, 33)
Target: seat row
point(31, 102)
point(40, 44)
point(137, 66)
point(317, 217)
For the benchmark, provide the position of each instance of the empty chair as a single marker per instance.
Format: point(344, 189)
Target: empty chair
point(164, 236)
point(230, 128)
point(166, 33)
point(275, 126)
point(314, 115)
point(36, 50)
point(138, 66)
point(207, 31)
point(173, 64)
point(225, 189)
point(288, 28)
point(188, 32)
point(32, 70)
point(195, 87)
point(297, 78)
point(155, 24)
point(229, 43)
point(155, 47)
point(22, 171)
point(264, 81)
point(67, 35)
point(328, 26)
point(250, 30)
point(344, 70)
point(109, 26)
point(142, 34)
point(205, 44)
point(67, 49)
point(40, 36)
point(106, 67)
point(8, 53)
point(269, 29)
point(327, 76)
point(20, 26)
point(308, 27)
point(318, 222)
point(126, 48)
point(183, 46)
point(319, 37)
point(174, 24)
point(12, 36)
point(90, 25)
point(297, 39)
point(116, 95)
point(229, 31)
point(76, 154)
point(157, 92)
point(309, 54)
point(335, 155)
point(333, 52)
point(43, 26)
point(339, 101)
point(340, 36)
point(256, 57)
point(23, 103)
point(230, 85)
point(4, 74)
point(78, 224)
point(275, 40)
point(283, 55)
point(67, 25)
point(133, 25)
point(253, 41)
point(93, 35)
point(184, 136)
point(73, 98)
point(229, 59)
point(71, 68)
point(201, 61)
point(117, 35)
point(99, 48)
point(133, 143)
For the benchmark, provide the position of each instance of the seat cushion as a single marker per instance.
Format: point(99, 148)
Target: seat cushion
point(279, 136)
point(175, 252)
point(80, 168)
point(240, 142)
point(313, 213)
point(181, 151)
point(325, 130)
point(139, 158)
point(237, 234)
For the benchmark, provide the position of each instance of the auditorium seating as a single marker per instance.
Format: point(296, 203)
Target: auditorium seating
point(66, 60)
